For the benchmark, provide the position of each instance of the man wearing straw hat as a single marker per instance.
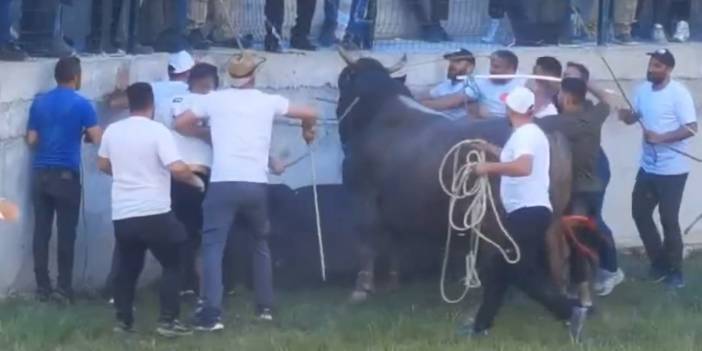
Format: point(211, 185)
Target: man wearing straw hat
point(241, 123)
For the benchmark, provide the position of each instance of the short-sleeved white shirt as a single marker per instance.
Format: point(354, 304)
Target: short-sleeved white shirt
point(164, 92)
point(448, 87)
point(490, 95)
point(532, 190)
point(241, 124)
point(663, 111)
point(140, 151)
point(194, 151)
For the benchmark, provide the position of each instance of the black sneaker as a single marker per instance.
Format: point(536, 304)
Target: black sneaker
point(272, 44)
point(264, 315)
point(123, 328)
point(674, 281)
point(12, 52)
point(62, 297)
point(173, 329)
point(624, 39)
point(576, 323)
point(327, 37)
point(657, 275)
point(197, 40)
point(203, 324)
point(302, 43)
point(43, 295)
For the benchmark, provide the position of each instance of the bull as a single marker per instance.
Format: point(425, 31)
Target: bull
point(393, 147)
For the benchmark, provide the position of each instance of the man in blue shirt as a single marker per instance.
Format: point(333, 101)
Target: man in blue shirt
point(57, 121)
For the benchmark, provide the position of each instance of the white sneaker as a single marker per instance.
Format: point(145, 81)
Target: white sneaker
point(608, 282)
point(659, 34)
point(682, 32)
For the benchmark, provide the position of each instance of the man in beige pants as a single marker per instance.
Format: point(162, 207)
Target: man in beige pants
point(623, 14)
point(210, 22)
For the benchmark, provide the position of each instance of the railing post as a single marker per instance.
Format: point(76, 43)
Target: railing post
point(131, 25)
point(603, 21)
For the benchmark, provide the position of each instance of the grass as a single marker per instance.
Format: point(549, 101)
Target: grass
point(639, 316)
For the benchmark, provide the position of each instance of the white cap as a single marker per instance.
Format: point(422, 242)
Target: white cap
point(181, 62)
point(520, 100)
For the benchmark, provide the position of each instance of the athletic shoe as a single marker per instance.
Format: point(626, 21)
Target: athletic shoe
point(187, 293)
point(265, 315)
point(271, 44)
point(608, 281)
point(674, 281)
point(659, 34)
point(682, 32)
point(467, 330)
point(62, 297)
point(203, 324)
point(173, 329)
point(123, 328)
point(302, 43)
point(624, 39)
point(657, 275)
point(43, 295)
point(576, 323)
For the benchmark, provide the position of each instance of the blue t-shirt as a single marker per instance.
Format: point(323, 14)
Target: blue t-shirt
point(59, 117)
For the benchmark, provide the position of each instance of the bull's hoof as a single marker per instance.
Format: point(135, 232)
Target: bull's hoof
point(359, 296)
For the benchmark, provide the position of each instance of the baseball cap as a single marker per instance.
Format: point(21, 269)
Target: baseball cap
point(520, 100)
point(664, 56)
point(461, 54)
point(180, 62)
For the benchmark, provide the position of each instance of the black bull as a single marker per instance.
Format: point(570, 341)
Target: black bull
point(393, 149)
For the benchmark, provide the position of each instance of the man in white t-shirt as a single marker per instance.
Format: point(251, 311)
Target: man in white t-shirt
point(524, 190)
point(241, 123)
point(461, 63)
point(665, 110)
point(487, 93)
point(141, 156)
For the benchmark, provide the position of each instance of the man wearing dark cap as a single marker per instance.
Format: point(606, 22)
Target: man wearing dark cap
point(461, 63)
point(665, 110)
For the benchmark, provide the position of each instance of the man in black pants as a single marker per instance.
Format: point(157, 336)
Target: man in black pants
point(275, 12)
point(524, 190)
point(38, 29)
point(665, 110)
point(141, 156)
point(57, 121)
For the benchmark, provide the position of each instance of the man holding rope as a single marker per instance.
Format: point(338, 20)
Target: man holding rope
point(665, 110)
point(524, 190)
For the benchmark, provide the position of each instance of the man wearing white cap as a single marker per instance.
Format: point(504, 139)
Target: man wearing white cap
point(524, 190)
point(241, 124)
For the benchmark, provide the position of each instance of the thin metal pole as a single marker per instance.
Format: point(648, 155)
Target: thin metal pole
point(603, 22)
point(131, 25)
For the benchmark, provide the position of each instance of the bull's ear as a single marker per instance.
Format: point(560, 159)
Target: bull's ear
point(402, 79)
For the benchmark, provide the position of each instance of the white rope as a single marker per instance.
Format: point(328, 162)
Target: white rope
point(318, 218)
point(482, 197)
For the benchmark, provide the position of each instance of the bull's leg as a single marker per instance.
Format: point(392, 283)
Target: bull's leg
point(394, 271)
point(365, 282)
point(557, 250)
point(368, 226)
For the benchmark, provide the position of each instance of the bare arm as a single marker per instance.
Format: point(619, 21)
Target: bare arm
point(181, 172)
point(104, 165)
point(308, 116)
point(32, 138)
point(118, 100)
point(276, 166)
point(521, 167)
point(188, 124)
point(93, 135)
point(599, 93)
point(446, 102)
point(679, 134)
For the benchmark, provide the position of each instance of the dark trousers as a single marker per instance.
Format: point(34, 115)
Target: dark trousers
point(528, 227)
point(5, 21)
point(607, 253)
point(38, 22)
point(664, 191)
point(224, 203)
point(104, 22)
point(428, 12)
point(187, 207)
point(331, 12)
point(275, 12)
point(161, 235)
point(56, 192)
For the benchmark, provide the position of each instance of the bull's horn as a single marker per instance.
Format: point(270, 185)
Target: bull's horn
point(399, 65)
point(346, 56)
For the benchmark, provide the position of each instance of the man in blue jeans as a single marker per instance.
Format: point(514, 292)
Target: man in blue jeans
point(57, 121)
point(9, 51)
point(241, 124)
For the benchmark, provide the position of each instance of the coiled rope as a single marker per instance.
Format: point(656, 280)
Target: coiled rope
point(481, 193)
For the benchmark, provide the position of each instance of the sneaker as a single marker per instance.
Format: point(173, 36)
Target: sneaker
point(434, 33)
point(491, 34)
point(608, 282)
point(302, 43)
point(43, 295)
point(624, 39)
point(682, 32)
point(271, 44)
point(123, 328)
point(187, 293)
point(173, 329)
point(203, 324)
point(659, 34)
point(657, 275)
point(265, 315)
point(674, 281)
point(12, 52)
point(197, 40)
point(576, 323)
point(467, 330)
point(327, 37)
point(62, 297)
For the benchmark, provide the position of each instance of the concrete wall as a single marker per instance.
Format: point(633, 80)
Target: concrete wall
point(304, 78)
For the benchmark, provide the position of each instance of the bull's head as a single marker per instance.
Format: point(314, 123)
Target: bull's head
point(367, 82)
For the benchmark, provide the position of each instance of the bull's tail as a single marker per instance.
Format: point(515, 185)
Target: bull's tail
point(582, 235)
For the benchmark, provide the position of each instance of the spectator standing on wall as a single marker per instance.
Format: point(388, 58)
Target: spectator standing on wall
point(57, 121)
point(9, 50)
point(40, 29)
point(665, 110)
point(624, 16)
point(299, 36)
point(209, 22)
point(669, 13)
point(496, 11)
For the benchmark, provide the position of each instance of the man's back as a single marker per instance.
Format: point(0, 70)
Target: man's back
point(241, 123)
point(59, 117)
point(139, 150)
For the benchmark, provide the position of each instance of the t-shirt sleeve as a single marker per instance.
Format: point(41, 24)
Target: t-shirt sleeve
point(280, 105)
point(178, 106)
point(88, 116)
point(167, 150)
point(104, 149)
point(200, 106)
point(601, 112)
point(685, 107)
point(524, 143)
